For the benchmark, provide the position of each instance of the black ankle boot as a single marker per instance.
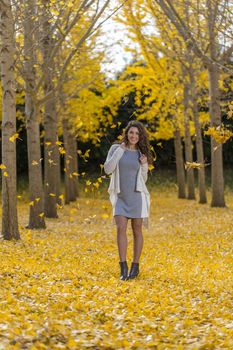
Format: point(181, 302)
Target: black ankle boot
point(134, 271)
point(124, 270)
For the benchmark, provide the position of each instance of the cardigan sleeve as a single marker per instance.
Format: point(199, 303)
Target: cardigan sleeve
point(144, 168)
point(113, 157)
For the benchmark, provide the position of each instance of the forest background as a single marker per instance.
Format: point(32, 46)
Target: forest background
point(61, 110)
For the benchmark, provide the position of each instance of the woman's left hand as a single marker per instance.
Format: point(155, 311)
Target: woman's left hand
point(143, 159)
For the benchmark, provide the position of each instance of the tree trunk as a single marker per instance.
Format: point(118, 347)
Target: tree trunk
point(50, 125)
point(66, 161)
point(70, 164)
point(9, 191)
point(200, 158)
point(179, 164)
point(50, 158)
point(36, 216)
point(217, 179)
point(58, 170)
point(188, 145)
point(199, 142)
point(74, 156)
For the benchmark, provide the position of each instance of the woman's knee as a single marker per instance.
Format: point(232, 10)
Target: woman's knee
point(136, 226)
point(121, 228)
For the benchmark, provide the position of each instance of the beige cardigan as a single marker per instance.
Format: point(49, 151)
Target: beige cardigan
point(111, 167)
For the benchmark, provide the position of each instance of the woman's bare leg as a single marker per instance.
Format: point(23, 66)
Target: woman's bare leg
point(121, 222)
point(138, 239)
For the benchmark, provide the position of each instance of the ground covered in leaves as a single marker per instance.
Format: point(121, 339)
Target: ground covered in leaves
point(60, 287)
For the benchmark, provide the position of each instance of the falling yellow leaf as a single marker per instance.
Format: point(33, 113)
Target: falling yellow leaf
point(151, 167)
point(5, 173)
point(193, 165)
point(2, 166)
point(52, 194)
point(105, 216)
point(59, 143)
point(62, 150)
point(51, 162)
point(34, 162)
point(87, 153)
point(14, 137)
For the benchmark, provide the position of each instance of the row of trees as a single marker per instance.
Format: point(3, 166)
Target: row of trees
point(51, 60)
point(181, 70)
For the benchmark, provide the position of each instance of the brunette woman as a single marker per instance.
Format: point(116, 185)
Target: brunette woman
point(127, 161)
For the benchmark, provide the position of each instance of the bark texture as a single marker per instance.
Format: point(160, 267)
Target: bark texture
point(51, 152)
point(217, 179)
point(199, 142)
point(36, 192)
point(179, 164)
point(188, 144)
point(71, 166)
point(9, 190)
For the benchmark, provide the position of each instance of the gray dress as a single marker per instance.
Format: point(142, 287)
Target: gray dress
point(129, 201)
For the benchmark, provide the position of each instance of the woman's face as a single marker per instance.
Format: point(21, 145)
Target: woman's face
point(133, 135)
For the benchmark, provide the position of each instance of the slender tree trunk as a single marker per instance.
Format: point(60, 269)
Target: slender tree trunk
point(216, 148)
point(70, 164)
point(200, 158)
point(199, 142)
point(50, 159)
point(67, 167)
point(50, 125)
point(36, 216)
point(74, 156)
point(179, 164)
point(188, 145)
point(58, 169)
point(217, 179)
point(9, 191)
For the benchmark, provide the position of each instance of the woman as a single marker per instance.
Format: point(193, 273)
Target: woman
point(127, 161)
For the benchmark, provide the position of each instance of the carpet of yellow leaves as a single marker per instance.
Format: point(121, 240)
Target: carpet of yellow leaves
point(60, 287)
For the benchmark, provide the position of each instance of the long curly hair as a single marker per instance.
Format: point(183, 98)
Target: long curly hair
point(143, 143)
